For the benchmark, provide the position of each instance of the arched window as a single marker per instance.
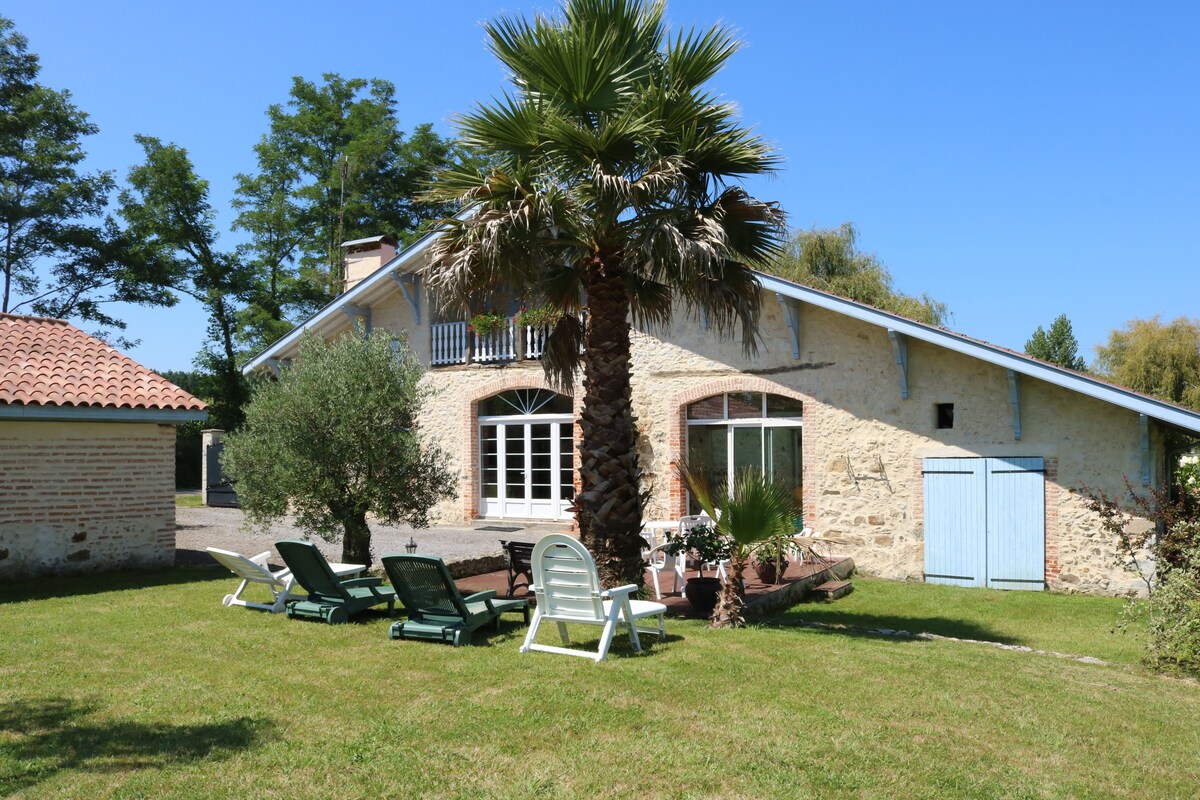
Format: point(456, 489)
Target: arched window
point(729, 432)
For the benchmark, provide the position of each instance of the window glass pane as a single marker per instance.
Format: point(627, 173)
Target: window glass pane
point(525, 401)
point(747, 449)
point(708, 408)
point(745, 405)
point(784, 458)
point(708, 453)
point(779, 406)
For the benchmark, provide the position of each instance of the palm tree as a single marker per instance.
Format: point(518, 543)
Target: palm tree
point(609, 184)
point(753, 511)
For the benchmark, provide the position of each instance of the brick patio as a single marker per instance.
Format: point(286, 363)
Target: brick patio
point(760, 597)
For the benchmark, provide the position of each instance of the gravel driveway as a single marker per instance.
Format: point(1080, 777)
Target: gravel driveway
point(198, 528)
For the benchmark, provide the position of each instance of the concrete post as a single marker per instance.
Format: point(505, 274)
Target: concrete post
point(208, 438)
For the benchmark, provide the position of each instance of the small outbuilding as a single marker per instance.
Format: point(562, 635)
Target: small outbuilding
point(87, 453)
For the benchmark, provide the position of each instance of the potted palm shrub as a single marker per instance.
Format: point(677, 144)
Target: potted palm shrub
point(709, 547)
point(752, 510)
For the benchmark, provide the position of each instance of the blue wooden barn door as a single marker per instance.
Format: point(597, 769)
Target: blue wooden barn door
point(1016, 523)
point(985, 522)
point(955, 521)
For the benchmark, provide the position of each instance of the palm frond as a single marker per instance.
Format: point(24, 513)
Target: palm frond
point(563, 352)
point(509, 125)
point(695, 57)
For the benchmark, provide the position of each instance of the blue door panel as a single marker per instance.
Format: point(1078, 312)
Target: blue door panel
point(985, 522)
point(1016, 514)
point(955, 521)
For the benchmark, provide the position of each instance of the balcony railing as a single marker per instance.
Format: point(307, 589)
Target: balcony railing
point(453, 343)
point(535, 341)
point(498, 345)
point(449, 343)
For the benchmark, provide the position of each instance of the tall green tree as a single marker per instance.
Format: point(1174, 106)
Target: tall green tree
point(829, 259)
point(1058, 346)
point(57, 257)
point(334, 166)
point(336, 438)
point(1157, 358)
point(613, 177)
point(166, 207)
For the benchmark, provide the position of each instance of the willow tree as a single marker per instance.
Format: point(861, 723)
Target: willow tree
point(612, 182)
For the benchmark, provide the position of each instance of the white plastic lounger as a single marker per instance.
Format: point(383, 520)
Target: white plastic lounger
point(254, 570)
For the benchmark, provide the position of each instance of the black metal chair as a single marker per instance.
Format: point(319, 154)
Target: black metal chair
point(519, 556)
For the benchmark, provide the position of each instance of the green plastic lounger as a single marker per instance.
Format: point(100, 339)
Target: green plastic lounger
point(329, 597)
point(436, 610)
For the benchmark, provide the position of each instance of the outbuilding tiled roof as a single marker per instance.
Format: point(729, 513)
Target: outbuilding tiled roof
point(49, 362)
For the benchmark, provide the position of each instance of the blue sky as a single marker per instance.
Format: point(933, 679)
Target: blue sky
point(1015, 161)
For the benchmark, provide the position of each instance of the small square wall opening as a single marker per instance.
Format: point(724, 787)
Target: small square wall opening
point(945, 416)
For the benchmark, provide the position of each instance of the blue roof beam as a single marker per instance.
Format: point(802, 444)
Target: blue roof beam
point(791, 318)
point(410, 286)
point(1014, 397)
point(900, 350)
point(1144, 426)
point(360, 318)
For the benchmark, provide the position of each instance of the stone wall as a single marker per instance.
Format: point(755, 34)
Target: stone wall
point(85, 497)
point(863, 444)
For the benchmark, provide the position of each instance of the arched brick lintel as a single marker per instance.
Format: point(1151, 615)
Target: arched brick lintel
point(677, 436)
point(468, 480)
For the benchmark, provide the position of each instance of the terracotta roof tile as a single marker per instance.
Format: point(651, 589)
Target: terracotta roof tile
point(50, 362)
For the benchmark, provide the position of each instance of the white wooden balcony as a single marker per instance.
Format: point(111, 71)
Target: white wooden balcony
point(453, 343)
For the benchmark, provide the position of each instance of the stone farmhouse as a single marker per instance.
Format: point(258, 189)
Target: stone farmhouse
point(936, 456)
point(87, 453)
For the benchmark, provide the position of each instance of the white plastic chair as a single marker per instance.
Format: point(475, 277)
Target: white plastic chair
point(254, 570)
point(661, 561)
point(567, 588)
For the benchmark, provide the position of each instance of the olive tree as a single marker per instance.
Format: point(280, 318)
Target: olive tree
point(336, 438)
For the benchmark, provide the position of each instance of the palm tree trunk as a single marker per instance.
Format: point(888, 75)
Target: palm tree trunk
point(731, 605)
point(609, 506)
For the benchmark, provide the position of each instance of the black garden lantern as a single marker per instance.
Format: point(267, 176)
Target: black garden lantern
point(411, 547)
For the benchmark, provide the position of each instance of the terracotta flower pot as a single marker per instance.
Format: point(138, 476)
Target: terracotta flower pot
point(767, 572)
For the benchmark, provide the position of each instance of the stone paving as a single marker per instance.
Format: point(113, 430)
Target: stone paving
point(198, 528)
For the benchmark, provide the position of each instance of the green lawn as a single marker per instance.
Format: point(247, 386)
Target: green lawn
point(188, 501)
point(146, 686)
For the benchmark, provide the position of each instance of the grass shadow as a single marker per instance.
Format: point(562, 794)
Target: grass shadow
point(51, 586)
point(860, 623)
point(47, 737)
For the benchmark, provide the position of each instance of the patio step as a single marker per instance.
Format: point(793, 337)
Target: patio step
point(832, 590)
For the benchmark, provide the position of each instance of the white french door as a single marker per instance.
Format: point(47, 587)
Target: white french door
point(526, 466)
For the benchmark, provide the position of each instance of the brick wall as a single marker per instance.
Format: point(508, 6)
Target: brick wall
point(85, 497)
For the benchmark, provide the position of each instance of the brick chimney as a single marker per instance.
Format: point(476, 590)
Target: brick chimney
point(364, 256)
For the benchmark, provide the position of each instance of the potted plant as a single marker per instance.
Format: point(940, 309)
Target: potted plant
point(771, 558)
point(709, 547)
point(753, 509)
point(539, 317)
point(487, 323)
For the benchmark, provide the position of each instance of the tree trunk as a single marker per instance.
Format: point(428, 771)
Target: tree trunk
point(610, 503)
point(731, 605)
point(356, 539)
